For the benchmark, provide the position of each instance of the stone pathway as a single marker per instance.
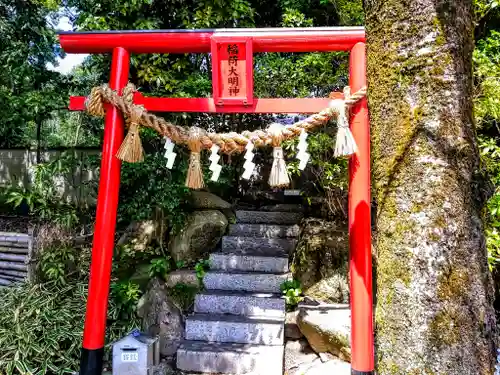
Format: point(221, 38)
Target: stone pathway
point(238, 321)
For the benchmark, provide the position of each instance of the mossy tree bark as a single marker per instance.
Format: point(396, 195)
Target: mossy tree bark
point(434, 294)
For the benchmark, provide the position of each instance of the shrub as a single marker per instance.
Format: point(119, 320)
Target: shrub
point(57, 263)
point(292, 292)
point(201, 268)
point(41, 324)
point(124, 296)
point(151, 185)
point(41, 328)
point(160, 267)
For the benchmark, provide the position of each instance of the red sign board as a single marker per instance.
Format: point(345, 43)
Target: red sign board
point(232, 70)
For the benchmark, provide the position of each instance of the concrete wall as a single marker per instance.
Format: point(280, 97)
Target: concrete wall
point(17, 169)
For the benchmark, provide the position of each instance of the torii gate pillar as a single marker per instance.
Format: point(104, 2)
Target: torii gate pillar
point(359, 213)
point(104, 231)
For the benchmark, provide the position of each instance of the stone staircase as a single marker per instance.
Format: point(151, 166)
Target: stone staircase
point(238, 321)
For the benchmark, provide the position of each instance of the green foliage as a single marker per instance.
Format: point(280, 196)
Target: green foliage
point(493, 245)
point(189, 75)
point(201, 268)
point(127, 261)
point(493, 228)
point(41, 328)
point(295, 18)
point(325, 174)
point(19, 196)
point(43, 205)
point(327, 171)
point(483, 7)
point(292, 292)
point(299, 75)
point(490, 156)
point(61, 265)
point(487, 75)
point(56, 264)
point(125, 295)
point(487, 111)
point(221, 13)
point(148, 186)
point(160, 267)
point(70, 129)
point(350, 12)
point(494, 209)
point(29, 91)
point(151, 185)
point(328, 12)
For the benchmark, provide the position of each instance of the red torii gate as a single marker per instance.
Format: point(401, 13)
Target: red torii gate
point(122, 43)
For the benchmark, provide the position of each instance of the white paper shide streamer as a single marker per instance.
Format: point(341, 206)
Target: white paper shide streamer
point(249, 165)
point(345, 145)
point(215, 167)
point(169, 152)
point(303, 155)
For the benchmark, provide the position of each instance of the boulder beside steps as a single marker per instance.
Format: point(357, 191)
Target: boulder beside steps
point(239, 320)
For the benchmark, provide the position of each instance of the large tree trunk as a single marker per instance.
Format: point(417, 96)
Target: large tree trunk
point(434, 294)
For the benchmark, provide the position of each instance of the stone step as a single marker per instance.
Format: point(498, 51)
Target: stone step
point(229, 358)
point(235, 329)
point(264, 230)
point(254, 263)
point(240, 303)
point(254, 246)
point(283, 207)
point(261, 217)
point(245, 281)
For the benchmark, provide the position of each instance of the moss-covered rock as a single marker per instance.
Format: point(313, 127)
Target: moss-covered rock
point(161, 317)
point(332, 289)
point(328, 330)
point(139, 234)
point(185, 277)
point(208, 201)
point(201, 233)
point(320, 261)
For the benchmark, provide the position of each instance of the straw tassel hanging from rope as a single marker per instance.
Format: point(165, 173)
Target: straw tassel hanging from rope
point(345, 144)
point(194, 178)
point(131, 149)
point(279, 175)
